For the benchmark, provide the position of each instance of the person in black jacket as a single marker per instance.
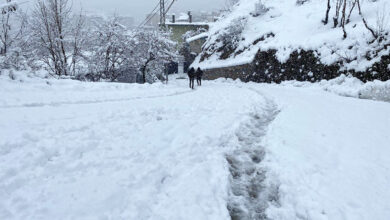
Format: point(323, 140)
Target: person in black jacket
point(191, 76)
point(199, 74)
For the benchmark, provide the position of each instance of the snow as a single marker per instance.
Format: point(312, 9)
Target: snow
point(350, 87)
point(118, 151)
point(330, 154)
point(297, 27)
point(78, 150)
point(5, 6)
point(183, 17)
point(188, 23)
point(197, 37)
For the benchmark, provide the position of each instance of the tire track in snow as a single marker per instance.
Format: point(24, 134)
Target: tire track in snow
point(54, 104)
point(250, 191)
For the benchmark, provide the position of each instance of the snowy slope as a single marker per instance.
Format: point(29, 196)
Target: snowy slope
point(166, 152)
point(297, 27)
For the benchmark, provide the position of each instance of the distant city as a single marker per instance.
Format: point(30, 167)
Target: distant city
point(196, 16)
point(154, 20)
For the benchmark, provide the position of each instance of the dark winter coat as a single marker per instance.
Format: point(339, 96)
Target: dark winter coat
point(199, 73)
point(191, 73)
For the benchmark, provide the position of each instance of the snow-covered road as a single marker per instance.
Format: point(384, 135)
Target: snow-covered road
point(150, 152)
point(71, 150)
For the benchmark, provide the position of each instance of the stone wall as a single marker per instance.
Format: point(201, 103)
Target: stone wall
point(302, 66)
point(234, 72)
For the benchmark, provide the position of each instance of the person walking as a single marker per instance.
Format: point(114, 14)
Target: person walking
point(199, 74)
point(191, 76)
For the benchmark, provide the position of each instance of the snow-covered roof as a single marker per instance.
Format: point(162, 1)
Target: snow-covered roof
point(187, 23)
point(183, 17)
point(197, 37)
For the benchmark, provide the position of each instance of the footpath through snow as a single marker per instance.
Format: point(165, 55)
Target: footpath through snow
point(71, 150)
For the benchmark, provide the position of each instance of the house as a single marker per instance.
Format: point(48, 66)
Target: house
point(181, 26)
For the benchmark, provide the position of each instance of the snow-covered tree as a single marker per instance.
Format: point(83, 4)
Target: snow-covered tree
point(231, 36)
point(152, 50)
point(115, 51)
point(80, 36)
point(53, 27)
point(11, 27)
point(109, 41)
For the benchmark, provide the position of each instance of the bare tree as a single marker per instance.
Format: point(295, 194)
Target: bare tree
point(12, 24)
point(50, 27)
point(382, 22)
point(337, 13)
point(80, 35)
point(351, 10)
point(341, 5)
point(364, 20)
point(326, 20)
point(343, 18)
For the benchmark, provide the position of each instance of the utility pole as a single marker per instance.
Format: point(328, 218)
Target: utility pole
point(162, 12)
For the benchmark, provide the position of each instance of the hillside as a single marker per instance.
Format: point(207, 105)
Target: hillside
point(289, 40)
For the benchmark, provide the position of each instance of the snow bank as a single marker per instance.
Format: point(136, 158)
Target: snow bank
point(351, 87)
point(39, 89)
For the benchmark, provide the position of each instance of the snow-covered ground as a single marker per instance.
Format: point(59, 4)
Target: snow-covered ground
point(73, 150)
point(331, 155)
point(350, 87)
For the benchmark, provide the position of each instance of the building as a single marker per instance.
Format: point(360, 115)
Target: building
point(196, 42)
point(181, 26)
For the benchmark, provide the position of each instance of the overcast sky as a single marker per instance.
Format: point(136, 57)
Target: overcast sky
point(139, 8)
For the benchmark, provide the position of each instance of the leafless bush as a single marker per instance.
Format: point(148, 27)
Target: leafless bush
point(231, 36)
point(382, 22)
point(260, 9)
